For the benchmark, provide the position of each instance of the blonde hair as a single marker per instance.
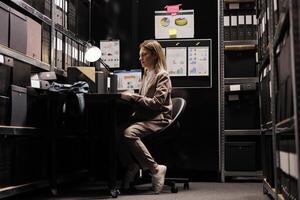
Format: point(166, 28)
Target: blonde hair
point(155, 48)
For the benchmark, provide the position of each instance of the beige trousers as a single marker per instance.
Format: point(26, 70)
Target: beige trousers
point(136, 151)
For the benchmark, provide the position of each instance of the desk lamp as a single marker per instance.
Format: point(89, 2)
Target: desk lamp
point(102, 80)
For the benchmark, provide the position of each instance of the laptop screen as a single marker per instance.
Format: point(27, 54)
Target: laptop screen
point(129, 79)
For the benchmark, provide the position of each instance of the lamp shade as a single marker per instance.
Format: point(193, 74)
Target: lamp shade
point(92, 54)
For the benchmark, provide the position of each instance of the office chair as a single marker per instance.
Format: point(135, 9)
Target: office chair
point(165, 137)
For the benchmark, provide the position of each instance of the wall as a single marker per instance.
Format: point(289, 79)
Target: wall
point(132, 21)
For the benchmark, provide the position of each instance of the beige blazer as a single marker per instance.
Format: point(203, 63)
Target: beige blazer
point(153, 103)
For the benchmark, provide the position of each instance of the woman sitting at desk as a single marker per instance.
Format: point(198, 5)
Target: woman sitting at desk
point(153, 107)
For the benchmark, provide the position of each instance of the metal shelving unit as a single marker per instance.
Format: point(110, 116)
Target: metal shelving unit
point(16, 132)
point(221, 92)
point(242, 132)
point(257, 174)
point(240, 45)
point(241, 80)
point(224, 89)
point(285, 127)
point(14, 190)
point(29, 9)
point(19, 56)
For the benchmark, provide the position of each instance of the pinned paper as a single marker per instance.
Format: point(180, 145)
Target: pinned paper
point(172, 33)
point(173, 9)
point(183, 23)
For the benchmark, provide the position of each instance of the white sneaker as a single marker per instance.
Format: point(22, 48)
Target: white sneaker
point(130, 176)
point(158, 179)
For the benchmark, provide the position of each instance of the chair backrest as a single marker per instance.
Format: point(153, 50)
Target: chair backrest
point(178, 106)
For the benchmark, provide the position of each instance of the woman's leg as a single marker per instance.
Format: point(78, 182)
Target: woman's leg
point(132, 137)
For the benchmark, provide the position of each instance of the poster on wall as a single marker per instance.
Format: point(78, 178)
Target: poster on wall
point(198, 61)
point(110, 50)
point(176, 61)
point(180, 25)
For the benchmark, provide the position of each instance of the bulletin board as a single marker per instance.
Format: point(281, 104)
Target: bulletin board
point(189, 62)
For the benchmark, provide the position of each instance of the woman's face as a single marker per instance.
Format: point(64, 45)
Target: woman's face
point(147, 59)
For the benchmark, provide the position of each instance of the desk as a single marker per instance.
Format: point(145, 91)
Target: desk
point(101, 113)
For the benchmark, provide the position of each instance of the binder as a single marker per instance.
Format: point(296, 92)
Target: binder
point(68, 53)
point(59, 50)
point(293, 164)
point(58, 13)
point(82, 20)
point(233, 27)
point(284, 167)
point(43, 6)
point(74, 53)
point(226, 23)
point(275, 12)
point(46, 44)
point(81, 55)
point(72, 16)
point(34, 38)
point(265, 96)
point(4, 113)
point(241, 26)
point(249, 27)
point(284, 79)
point(5, 79)
point(65, 14)
point(18, 31)
point(226, 28)
point(289, 98)
point(254, 27)
point(47, 10)
point(18, 106)
point(4, 23)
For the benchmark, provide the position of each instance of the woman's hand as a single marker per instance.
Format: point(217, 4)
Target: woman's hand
point(126, 95)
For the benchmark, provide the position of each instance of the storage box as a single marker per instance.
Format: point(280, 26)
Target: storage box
point(4, 110)
point(18, 106)
point(6, 155)
point(30, 159)
point(34, 39)
point(46, 33)
point(240, 156)
point(21, 74)
point(4, 23)
point(18, 31)
point(240, 64)
point(5, 79)
point(242, 110)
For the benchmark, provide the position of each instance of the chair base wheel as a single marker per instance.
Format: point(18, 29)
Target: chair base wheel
point(114, 193)
point(186, 186)
point(54, 192)
point(174, 189)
